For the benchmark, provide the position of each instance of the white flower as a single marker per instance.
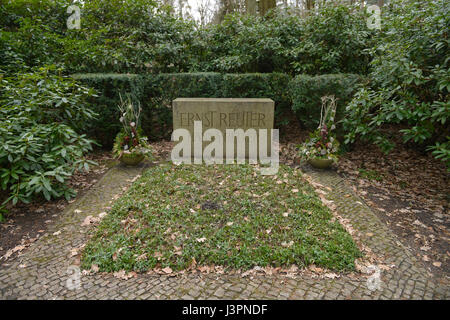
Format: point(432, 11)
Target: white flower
point(125, 147)
point(121, 119)
point(132, 124)
point(323, 152)
point(333, 127)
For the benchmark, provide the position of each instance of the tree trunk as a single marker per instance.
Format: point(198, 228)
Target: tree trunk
point(250, 6)
point(266, 5)
point(309, 4)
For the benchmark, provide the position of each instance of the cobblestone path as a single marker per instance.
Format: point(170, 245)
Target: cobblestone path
point(41, 271)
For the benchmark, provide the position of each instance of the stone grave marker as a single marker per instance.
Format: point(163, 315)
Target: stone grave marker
point(223, 114)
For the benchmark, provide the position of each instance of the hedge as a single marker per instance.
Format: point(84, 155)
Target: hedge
point(306, 92)
point(155, 93)
point(109, 88)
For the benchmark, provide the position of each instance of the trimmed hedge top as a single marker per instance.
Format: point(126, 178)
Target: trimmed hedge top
point(155, 93)
point(306, 92)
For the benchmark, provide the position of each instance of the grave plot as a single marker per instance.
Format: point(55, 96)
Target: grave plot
point(179, 217)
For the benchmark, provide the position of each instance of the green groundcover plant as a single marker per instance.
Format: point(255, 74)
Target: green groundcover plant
point(224, 215)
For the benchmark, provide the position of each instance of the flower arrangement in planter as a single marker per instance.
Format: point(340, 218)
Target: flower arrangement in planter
point(321, 149)
point(130, 147)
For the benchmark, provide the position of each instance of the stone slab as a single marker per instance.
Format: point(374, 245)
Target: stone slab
point(223, 114)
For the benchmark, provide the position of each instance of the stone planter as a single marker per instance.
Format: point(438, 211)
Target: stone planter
point(131, 159)
point(320, 163)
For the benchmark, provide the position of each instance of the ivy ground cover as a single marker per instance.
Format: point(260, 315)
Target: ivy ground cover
point(222, 215)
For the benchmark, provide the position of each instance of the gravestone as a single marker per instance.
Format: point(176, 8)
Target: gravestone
point(223, 114)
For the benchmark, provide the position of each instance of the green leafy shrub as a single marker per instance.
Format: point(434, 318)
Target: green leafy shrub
point(115, 35)
point(52, 12)
point(36, 43)
point(142, 36)
point(307, 91)
point(40, 148)
point(32, 31)
point(130, 36)
point(10, 60)
point(334, 41)
point(248, 43)
point(331, 41)
point(410, 80)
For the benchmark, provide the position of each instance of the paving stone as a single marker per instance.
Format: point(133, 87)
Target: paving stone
point(45, 275)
